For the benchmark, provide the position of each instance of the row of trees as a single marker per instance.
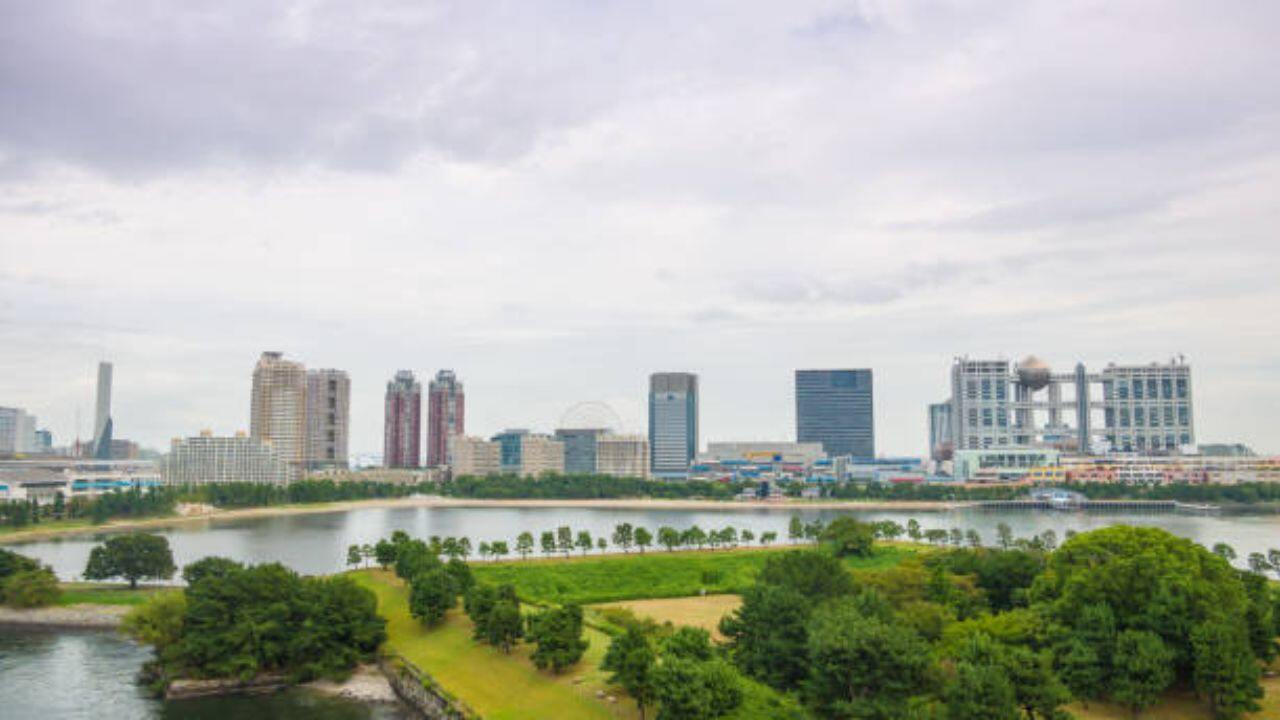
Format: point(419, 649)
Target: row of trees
point(435, 586)
point(133, 503)
point(584, 487)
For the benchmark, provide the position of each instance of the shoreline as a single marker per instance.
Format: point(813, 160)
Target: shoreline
point(70, 617)
point(208, 515)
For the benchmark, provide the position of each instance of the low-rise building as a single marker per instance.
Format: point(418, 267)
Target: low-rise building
point(475, 456)
point(622, 455)
point(216, 459)
point(44, 479)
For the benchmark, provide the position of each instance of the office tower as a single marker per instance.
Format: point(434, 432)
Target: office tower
point(999, 404)
point(528, 454)
point(17, 431)
point(210, 459)
point(278, 407)
point(940, 443)
point(673, 423)
point(836, 408)
point(579, 449)
point(102, 423)
point(402, 426)
point(445, 416)
point(328, 418)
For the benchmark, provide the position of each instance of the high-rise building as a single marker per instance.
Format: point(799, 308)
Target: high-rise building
point(673, 423)
point(446, 415)
point(102, 423)
point(580, 449)
point(17, 431)
point(528, 454)
point(278, 407)
point(1142, 408)
point(328, 418)
point(210, 459)
point(402, 426)
point(836, 408)
point(941, 445)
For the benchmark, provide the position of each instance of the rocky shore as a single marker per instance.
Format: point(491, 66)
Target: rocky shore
point(86, 617)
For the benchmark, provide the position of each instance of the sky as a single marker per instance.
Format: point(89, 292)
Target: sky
point(556, 199)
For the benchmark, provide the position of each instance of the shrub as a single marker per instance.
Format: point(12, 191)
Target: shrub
point(30, 588)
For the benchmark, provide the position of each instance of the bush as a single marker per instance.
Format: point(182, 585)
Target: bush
point(30, 588)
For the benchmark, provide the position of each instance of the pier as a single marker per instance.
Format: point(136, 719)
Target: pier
point(1058, 502)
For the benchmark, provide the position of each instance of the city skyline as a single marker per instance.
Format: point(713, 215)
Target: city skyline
point(876, 186)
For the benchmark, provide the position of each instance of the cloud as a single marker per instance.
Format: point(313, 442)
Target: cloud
point(558, 198)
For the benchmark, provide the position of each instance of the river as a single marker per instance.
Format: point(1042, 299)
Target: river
point(316, 543)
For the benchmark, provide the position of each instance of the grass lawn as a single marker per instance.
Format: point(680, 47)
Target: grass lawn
point(1181, 705)
point(655, 574)
point(79, 593)
point(703, 612)
point(495, 685)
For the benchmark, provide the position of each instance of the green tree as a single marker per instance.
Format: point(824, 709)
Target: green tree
point(863, 667)
point(979, 692)
point(1143, 668)
point(973, 538)
point(694, 536)
point(1225, 670)
point(134, 557)
point(505, 626)
point(460, 572)
point(354, 556)
point(688, 689)
point(668, 537)
point(795, 529)
point(913, 529)
point(431, 595)
point(499, 549)
point(384, 553)
point(1081, 670)
point(602, 544)
point(1273, 559)
point(1005, 535)
point(768, 637)
point(1224, 551)
point(557, 634)
point(748, 537)
point(768, 537)
point(815, 575)
point(30, 588)
point(414, 557)
point(548, 542)
point(158, 622)
point(584, 542)
point(623, 535)
point(564, 539)
point(847, 537)
point(643, 538)
point(630, 661)
point(524, 544)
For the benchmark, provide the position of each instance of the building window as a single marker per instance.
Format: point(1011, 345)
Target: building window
point(1137, 389)
point(1124, 417)
point(1168, 414)
point(1166, 388)
point(1182, 388)
point(1000, 392)
point(1184, 417)
point(1123, 390)
point(1139, 417)
point(1152, 392)
point(986, 389)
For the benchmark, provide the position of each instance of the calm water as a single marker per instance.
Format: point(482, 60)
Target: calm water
point(317, 543)
point(90, 675)
point(71, 675)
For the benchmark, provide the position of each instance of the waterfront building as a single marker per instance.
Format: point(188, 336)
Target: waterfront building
point(940, 441)
point(529, 454)
point(43, 479)
point(278, 407)
point(622, 455)
point(102, 422)
point(580, 449)
point(328, 418)
point(836, 408)
point(446, 416)
point(473, 456)
point(673, 423)
point(17, 431)
point(782, 451)
point(1128, 408)
point(402, 424)
point(219, 459)
point(1002, 464)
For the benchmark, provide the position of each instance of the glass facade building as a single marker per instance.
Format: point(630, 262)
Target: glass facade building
point(673, 423)
point(835, 408)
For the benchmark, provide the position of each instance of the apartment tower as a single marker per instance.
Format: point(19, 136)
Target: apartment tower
point(402, 427)
point(446, 415)
point(328, 418)
point(278, 408)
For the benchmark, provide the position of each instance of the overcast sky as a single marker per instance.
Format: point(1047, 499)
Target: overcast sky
point(558, 198)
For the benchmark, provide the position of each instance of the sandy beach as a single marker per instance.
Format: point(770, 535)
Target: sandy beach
point(194, 514)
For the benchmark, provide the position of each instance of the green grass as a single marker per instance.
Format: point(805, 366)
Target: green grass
point(77, 593)
point(655, 574)
point(496, 685)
